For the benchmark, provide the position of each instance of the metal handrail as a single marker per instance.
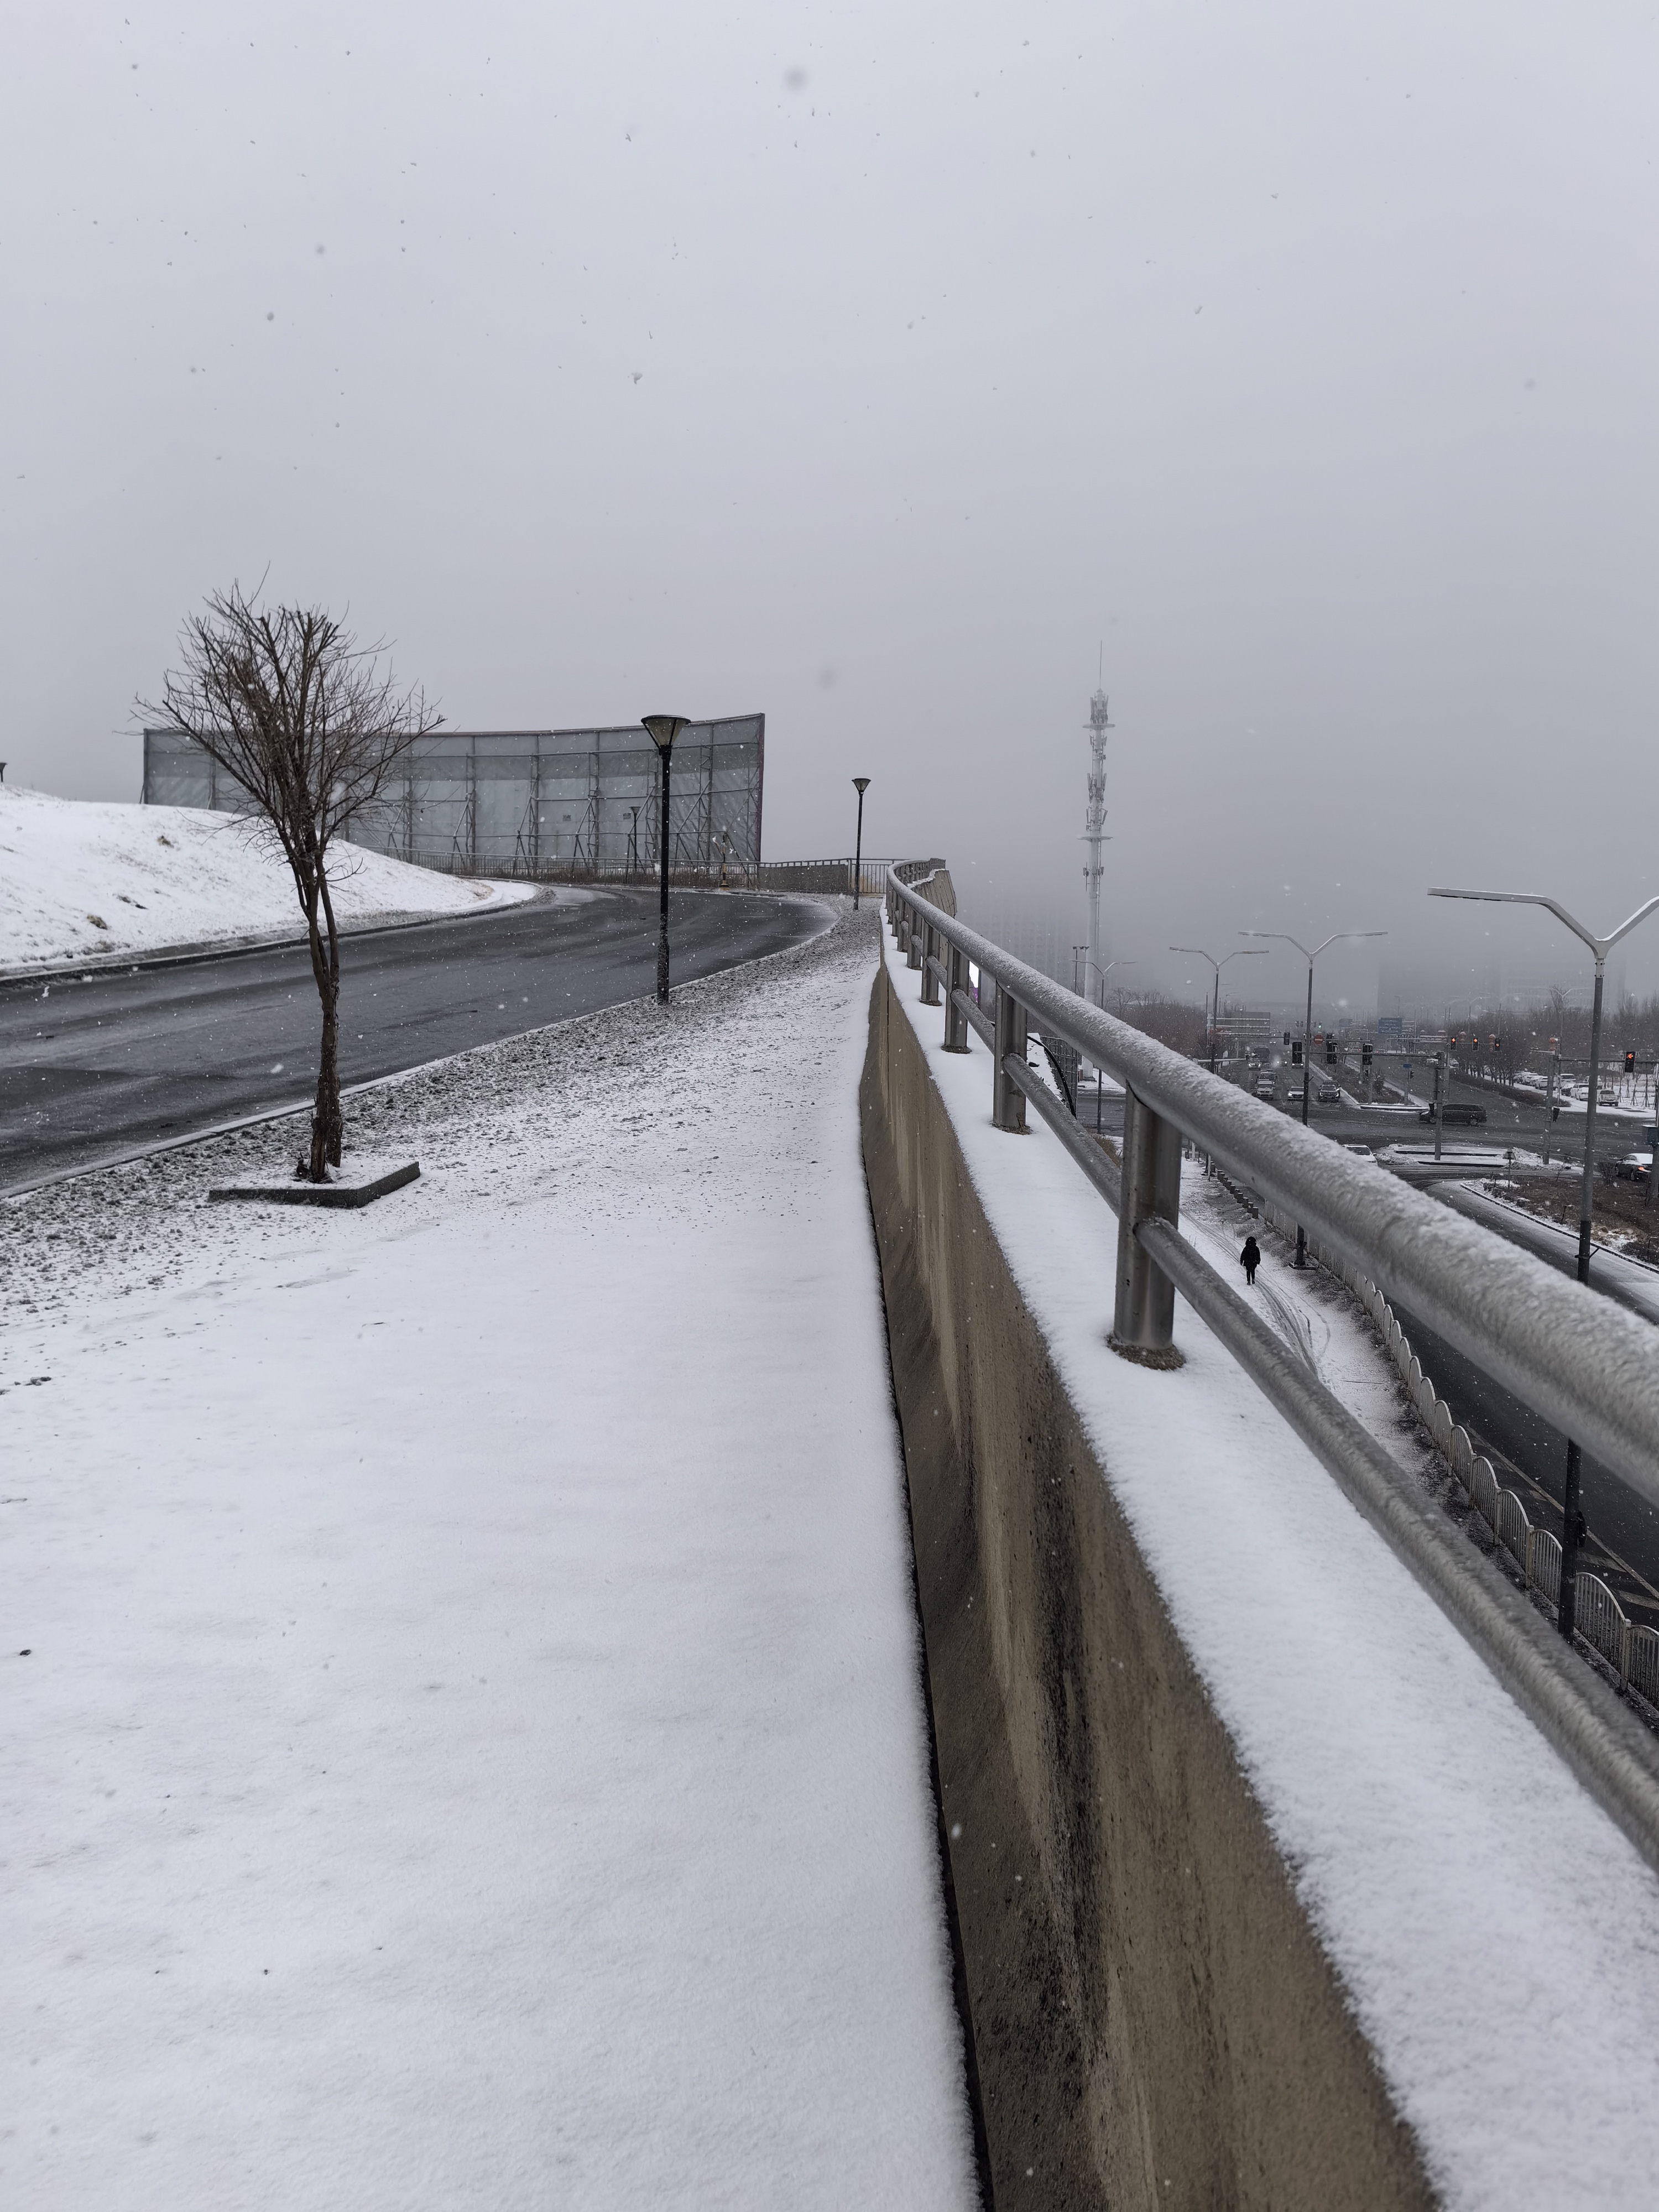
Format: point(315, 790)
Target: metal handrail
point(1354, 1207)
point(1587, 1365)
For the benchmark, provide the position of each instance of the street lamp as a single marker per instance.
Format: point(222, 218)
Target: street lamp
point(860, 784)
point(664, 729)
point(1285, 936)
point(1244, 952)
point(1103, 972)
point(1600, 946)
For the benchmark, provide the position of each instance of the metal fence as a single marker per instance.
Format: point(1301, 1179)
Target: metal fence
point(1584, 1364)
point(1631, 1651)
point(831, 877)
point(570, 805)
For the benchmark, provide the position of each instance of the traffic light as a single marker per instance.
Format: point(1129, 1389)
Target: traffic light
point(1630, 1063)
point(1287, 1036)
point(1364, 1055)
point(1330, 1052)
point(1295, 1053)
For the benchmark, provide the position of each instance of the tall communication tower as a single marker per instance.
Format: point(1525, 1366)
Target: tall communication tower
point(1094, 836)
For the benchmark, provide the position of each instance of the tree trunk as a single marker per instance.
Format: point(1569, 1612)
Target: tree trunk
point(330, 1061)
point(327, 1126)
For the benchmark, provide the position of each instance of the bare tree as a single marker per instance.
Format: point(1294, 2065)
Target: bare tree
point(312, 724)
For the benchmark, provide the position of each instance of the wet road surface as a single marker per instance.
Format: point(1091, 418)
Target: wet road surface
point(101, 1068)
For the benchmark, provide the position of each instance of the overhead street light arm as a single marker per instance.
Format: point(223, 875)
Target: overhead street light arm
point(1283, 937)
point(1600, 946)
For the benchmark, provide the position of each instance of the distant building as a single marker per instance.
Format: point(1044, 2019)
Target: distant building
point(1241, 1030)
point(537, 802)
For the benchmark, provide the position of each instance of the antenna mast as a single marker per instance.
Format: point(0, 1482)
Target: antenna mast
point(1094, 836)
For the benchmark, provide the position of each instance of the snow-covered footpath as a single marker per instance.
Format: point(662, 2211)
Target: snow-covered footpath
point(469, 1749)
point(1497, 1936)
point(79, 878)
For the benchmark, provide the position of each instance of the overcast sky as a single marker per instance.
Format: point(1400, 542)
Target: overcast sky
point(877, 367)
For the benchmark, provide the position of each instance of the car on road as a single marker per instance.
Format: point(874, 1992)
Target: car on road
point(1636, 1166)
point(1456, 1113)
point(1328, 1095)
point(1266, 1087)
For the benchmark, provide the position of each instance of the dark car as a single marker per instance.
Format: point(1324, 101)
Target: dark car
point(1455, 1114)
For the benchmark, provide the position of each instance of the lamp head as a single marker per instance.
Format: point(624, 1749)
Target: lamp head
point(664, 729)
point(860, 784)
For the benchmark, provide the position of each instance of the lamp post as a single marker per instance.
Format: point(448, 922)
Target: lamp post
point(860, 784)
point(1244, 952)
point(1566, 1608)
point(664, 729)
point(1102, 972)
point(1285, 936)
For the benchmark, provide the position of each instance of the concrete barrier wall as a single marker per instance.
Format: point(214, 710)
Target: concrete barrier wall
point(1152, 2021)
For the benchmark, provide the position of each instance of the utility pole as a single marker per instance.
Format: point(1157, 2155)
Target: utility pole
point(1094, 836)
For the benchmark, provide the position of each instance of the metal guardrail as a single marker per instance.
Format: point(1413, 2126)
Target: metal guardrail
point(1584, 1364)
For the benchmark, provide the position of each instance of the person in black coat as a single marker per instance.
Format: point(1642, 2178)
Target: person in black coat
point(1251, 1256)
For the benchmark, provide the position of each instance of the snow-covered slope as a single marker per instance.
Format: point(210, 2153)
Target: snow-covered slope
point(78, 879)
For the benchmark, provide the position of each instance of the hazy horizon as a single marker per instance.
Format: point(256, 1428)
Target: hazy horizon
point(894, 375)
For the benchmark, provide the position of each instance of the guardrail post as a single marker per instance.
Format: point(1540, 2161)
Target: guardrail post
point(956, 1022)
point(1143, 1327)
point(930, 945)
point(1007, 1099)
point(913, 939)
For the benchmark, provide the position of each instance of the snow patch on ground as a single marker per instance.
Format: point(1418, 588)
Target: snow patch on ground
point(80, 878)
point(472, 1749)
point(1497, 1936)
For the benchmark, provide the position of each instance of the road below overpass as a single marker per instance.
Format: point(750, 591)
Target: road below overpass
point(108, 1065)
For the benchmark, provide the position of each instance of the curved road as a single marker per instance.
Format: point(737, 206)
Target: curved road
point(99, 1069)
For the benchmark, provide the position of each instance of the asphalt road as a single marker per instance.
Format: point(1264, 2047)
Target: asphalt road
point(1522, 1122)
point(98, 1069)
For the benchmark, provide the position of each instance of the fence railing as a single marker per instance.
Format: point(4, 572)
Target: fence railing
point(827, 876)
point(1632, 1651)
point(1587, 1365)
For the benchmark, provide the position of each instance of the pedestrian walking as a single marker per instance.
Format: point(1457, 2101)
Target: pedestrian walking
point(1251, 1256)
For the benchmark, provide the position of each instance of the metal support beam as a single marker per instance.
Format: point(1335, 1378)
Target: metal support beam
point(930, 947)
point(956, 1021)
point(1143, 1325)
point(1007, 1099)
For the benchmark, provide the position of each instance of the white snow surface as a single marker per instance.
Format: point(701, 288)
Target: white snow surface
point(80, 878)
point(472, 1750)
point(1497, 1937)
